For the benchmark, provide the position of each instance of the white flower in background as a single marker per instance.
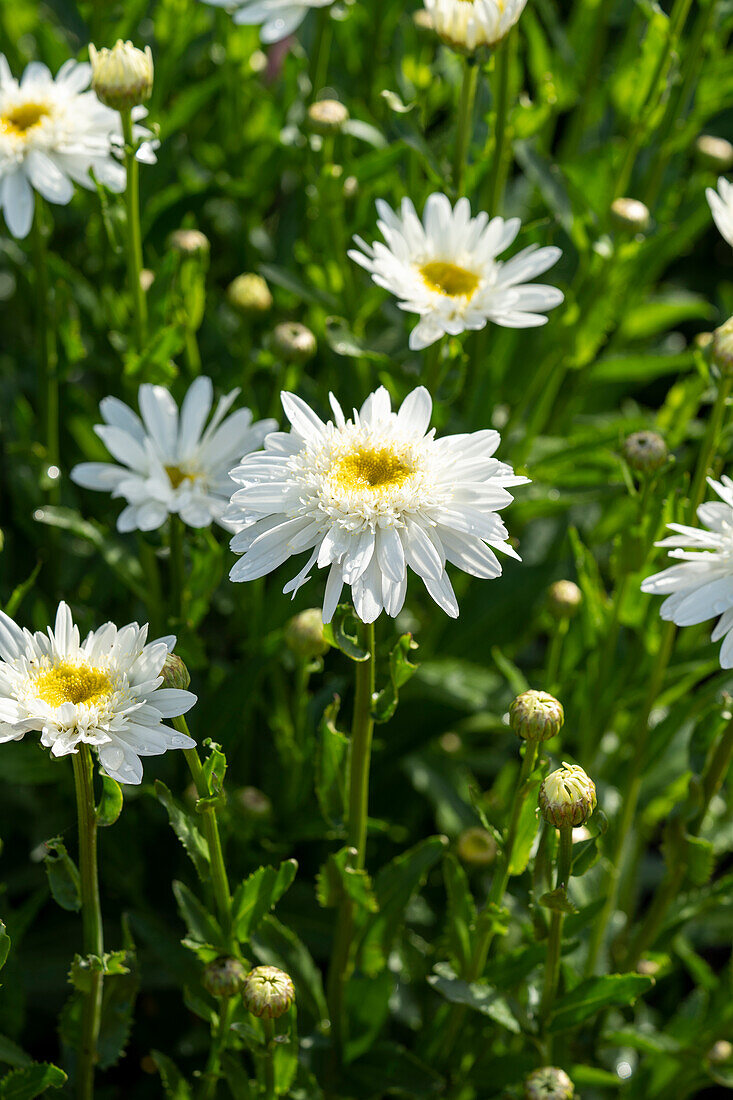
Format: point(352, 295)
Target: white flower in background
point(104, 692)
point(701, 586)
point(171, 464)
point(468, 24)
point(721, 207)
point(445, 269)
point(278, 18)
point(123, 76)
point(52, 133)
point(369, 497)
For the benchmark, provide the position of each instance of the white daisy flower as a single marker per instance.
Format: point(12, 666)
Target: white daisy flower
point(369, 497)
point(445, 269)
point(721, 207)
point(278, 18)
point(468, 24)
point(104, 692)
point(52, 134)
point(170, 463)
point(701, 586)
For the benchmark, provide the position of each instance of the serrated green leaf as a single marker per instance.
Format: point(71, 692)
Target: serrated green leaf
point(592, 995)
point(63, 875)
point(558, 901)
point(173, 1081)
point(337, 877)
point(331, 762)
point(110, 804)
point(31, 1081)
point(202, 926)
point(257, 895)
point(476, 995)
point(118, 1004)
point(401, 669)
point(13, 1055)
point(186, 829)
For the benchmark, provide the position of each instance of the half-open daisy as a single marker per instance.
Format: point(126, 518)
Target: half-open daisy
point(171, 464)
point(104, 692)
point(469, 24)
point(278, 18)
point(445, 268)
point(52, 134)
point(369, 497)
point(721, 207)
point(701, 586)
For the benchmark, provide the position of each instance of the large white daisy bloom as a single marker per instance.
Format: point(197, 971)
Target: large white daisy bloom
point(445, 269)
point(468, 24)
point(171, 464)
point(701, 586)
point(278, 18)
point(369, 497)
point(104, 692)
point(721, 207)
point(52, 133)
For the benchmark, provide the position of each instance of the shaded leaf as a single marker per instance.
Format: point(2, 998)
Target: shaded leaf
point(63, 875)
point(257, 895)
point(594, 994)
point(331, 762)
point(186, 830)
point(401, 669)
point(337, 877)
point(110, 804)
point(30, 1081)
point(479, 996)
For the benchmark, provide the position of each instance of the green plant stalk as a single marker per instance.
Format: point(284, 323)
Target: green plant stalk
point(707, 454)
point(465, 123)
point(134, 235)
point(554, 654)
point(213, 1066)
point(321, 52)
point(361, 745)
point(49, 380)
point(193, 355)
point(554, 939)
point(495, 186)
point(175, 545)
point(269, 1026)
point(91, 918)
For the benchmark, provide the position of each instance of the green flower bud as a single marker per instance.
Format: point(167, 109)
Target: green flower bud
point(293, 342)
point(304, 634)
point(645, 452)
point(224, 977)
point(564, 599)
point(327, 116)
point(536, 716)
point(123, 76)
point(714, 152)
point(268, 991)
point(723, 347)
point(476, 847)
point(549, 1083)
point(189, 243)
point(174, 672)
point(250, 293)
point(629, 214)
point(567, 797)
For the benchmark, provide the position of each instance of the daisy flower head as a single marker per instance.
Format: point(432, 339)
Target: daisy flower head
point(53, 133)
point(105, 692)
point(367, 498)
point(278, 18)
point(171, 463)
point(721, 207)
point(466, 25)
point(445, 269)
point(700, 586)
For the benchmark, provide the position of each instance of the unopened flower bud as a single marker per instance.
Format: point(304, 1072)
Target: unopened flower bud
point(294, 342)
point(723, 347)
point(268, 991)
point(327, 116)
point(123, 76)
point(190, 243)
point(254, 803)
point(174, 672)
point(549, 1083)
point(351, 187)
point(476, 847)
point(304, 634)
point(630, 214)
point(564, 599)
point(702, 340)
point(720, 1052)
point(648, 967)
point(536, 716)
point(714, 152)
point(147, 278)
point(250, 293)
point(645, 452)
point(224, 977)
point(567, 797)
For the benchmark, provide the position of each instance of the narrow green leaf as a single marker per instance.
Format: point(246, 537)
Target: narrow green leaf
point(594, 994)
point(257, 895)
point(30, 1081)
point(527, 826)
point(202, 926)
point(476, 995)
point(186, 830)
point(174, 1084)
point(331, 761)
point(337, 877)
point(63, 876)
point(13, 1055)
point(461, 911)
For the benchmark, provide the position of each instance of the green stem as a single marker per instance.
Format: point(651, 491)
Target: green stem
point(554, 654)
point(465, 122)
point(361, 744)
point(554, 940)
point(321, 52)
point(269, 1058)
point(193, 356)
point(707, 453)
point(495, 187)
point(134, 235)
point(91, 918)
point(175, 544)
point(213, 1066)
point(47, 346)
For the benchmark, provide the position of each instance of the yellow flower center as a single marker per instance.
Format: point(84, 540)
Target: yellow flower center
point(20, 119)
point(370, 468)
point(449, 279)
point(177, 476)
point(67, 683)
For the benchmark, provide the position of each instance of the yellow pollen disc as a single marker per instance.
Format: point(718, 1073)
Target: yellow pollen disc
point(370, 468)
point(177, 476)
point(449, 279)
point(67, 683)
point(23, 118)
